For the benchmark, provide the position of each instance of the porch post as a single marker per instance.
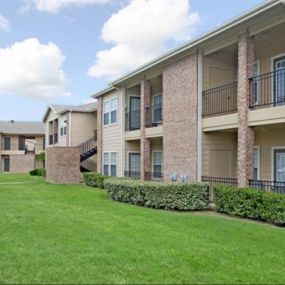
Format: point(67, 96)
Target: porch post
point(246, 57)
point(144, 143)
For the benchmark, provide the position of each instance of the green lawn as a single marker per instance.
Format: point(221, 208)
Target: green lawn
point(75, 234)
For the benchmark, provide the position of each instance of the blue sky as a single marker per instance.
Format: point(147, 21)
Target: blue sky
point(78, 39)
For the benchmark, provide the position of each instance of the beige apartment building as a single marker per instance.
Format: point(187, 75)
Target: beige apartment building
point(69, 126)
point(20, 143)
point(212, 110)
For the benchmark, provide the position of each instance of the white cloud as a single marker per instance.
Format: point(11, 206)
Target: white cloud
point(141, 31)
point(4, 24)
point(54, 6)
point(32, 69)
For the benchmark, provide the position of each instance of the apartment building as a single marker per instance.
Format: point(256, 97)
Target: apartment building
point(67, 126)
point(213, 109)
point(20, 142)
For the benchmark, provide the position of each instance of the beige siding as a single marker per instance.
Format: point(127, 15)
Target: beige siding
point(83, 126)
point(266, 140)
point(222, 143)
point(217, 73)
point(113, 134)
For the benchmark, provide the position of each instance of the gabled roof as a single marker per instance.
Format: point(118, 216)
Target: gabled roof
point(61, 109)
point(193, 44)
point(22, 128)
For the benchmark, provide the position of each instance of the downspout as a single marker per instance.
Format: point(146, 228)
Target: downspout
point(199, 114)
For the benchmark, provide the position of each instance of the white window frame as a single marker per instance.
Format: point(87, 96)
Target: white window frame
point(257, 147)
point(153, 152)
point(272, 160)
point(153, 96)
point(109, 101)
point(63, 126)
point(109, 162)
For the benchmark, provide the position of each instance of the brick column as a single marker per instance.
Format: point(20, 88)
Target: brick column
point(99, 133)
point(144, 143)
point(246, 57)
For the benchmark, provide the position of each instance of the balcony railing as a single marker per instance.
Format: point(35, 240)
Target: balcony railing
point(220, 100)
point(133, 120)
point(133, 174)
point(268, 90)
point(15, 146)
point(154, 176)
point(220, 180)
point(268, 186)
point(154, 116)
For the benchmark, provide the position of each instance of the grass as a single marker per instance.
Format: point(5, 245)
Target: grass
point(75, 234)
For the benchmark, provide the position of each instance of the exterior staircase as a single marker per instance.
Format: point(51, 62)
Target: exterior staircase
point(88, 149)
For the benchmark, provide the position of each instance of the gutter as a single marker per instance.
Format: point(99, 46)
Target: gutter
point(212, 33)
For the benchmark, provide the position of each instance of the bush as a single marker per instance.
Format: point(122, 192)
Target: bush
point(38, 172)
point(94, 179)
point(250, 203)
point(159, 195)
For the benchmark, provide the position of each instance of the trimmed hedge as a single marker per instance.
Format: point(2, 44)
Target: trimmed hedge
point(94, 179)
point(159, 195)
point(250, 203)
point(38, 172)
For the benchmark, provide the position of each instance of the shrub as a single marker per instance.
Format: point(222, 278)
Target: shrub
point(94, 179)
point(250, 203)
point(159, 195)
point(41, 157)
point(38, 172)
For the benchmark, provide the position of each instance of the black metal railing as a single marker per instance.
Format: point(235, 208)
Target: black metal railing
point(220, 180)
point(133, 174)
point(17, 146)
point(153, 176)
point(89, 165)
point(87, 145)
point(268, 186)
point(154, 116)
point(220, 100)
point(133, 120)
point(267, 90)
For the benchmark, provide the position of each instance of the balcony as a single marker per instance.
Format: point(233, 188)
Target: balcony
point(154, 176)
point(154, 116)
point(220, 100)
point(133, 120)
point(267, 90)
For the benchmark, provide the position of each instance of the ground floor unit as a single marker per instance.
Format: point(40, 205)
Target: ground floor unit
point(18, 163)
point(219, 158)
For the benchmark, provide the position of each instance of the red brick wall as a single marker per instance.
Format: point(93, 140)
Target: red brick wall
point(63, 165)
point(180, 103)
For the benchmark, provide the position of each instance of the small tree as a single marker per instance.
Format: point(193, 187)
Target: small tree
point(41, 157)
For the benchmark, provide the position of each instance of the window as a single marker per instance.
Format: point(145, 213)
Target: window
point(110, 111)
point(157, 163)
point(157, 108)
point(110, 163)
point(279, 165)
point(63, 128)
point(106, 112)
point(256, 82)
point(106, 163)
point(113, 165)
point(7, 143)
point(256, 163)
